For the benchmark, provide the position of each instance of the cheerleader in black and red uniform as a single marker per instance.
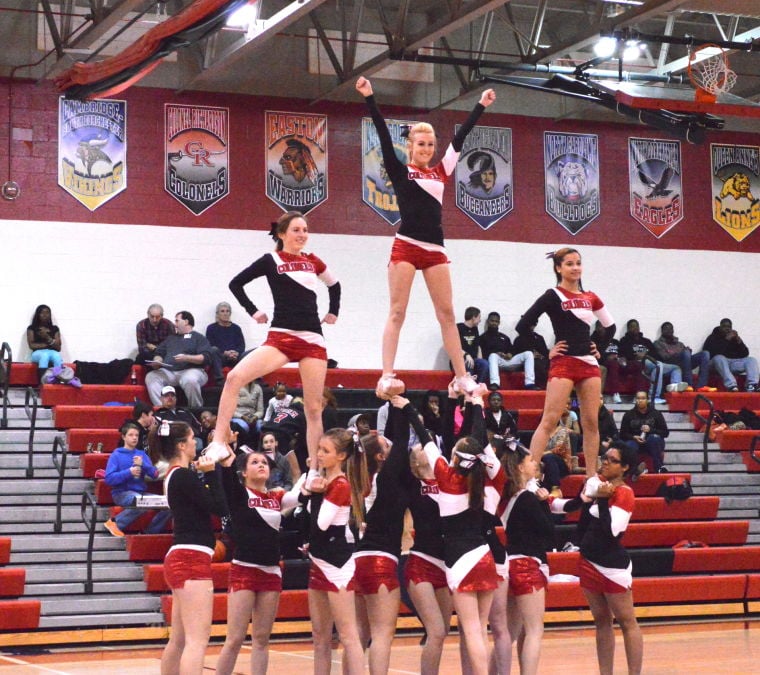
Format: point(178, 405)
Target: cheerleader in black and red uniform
point(418, 186)
point(470, 568)
point(295, 334)
point(336, 496)
point(255, 580)
point(573, 362)
point(605, 567)
point(187, 565)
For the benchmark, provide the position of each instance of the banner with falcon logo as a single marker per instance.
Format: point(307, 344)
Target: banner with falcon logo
point(484, 175)
point(196, 142)
point(655, 183)
point(92, 149)
point(571, 179)
point(296, 159)
point(736, 188)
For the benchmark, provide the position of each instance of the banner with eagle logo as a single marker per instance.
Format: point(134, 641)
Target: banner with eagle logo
point(571, 179)
point(655, 183)
point(484, 175)
point(377, 190)
point(296, 159)
point(92, 149)
point(736, 188)
point(196, 141)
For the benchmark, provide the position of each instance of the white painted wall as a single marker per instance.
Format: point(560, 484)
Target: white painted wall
point(99, 280)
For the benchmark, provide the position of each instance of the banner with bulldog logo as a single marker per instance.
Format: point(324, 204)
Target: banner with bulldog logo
point(736, 188)
point(377, 190)
point(571, 179)
point(197, 155)
point(655, 183)
point(92, 149)
point(484, 175)
point(296, 160)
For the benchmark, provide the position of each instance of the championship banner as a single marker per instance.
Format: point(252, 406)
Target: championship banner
point(655, 185)
point(736, 188)
point(571, 179)
point(296, 160)
point(92, 149)
point(196, 142)
point(377, 190)
point(484, 175)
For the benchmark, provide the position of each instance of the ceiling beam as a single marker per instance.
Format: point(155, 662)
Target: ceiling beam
point(680, 64)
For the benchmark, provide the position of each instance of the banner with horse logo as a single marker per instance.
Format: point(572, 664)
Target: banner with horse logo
point(571, 179)
point(197, 155)
point(655, 183)
point(296, 160)
point(92, 149)
point(484, 175)
point(736, 188)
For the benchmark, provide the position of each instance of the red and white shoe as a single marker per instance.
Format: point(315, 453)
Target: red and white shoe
point(467, 385)
point(217, 450)
point(389, 386)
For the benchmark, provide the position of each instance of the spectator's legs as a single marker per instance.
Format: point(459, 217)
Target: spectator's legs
point(191, 380)
point(159, 522)
point(128, 516)
point(721, 365)
point(701, 360)
point(654, 446)
point(155, 380)
point(673, 372)
point(494, 363)
point(684, 362)
point(216, 364)
point(612, 383)
point(482, 370)
point(654, 375)
point(750, 368)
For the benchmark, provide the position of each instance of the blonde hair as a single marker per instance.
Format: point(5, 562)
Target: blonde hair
point(420, 128)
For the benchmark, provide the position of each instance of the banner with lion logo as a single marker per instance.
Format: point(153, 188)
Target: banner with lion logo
point(296, 159)
point(571, 179)
point(92, 149)
point(655, 187)
point(736, 188)
point(484, 175)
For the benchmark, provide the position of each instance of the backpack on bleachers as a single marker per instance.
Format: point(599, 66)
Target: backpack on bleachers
point(675, 487)
point(113, 372)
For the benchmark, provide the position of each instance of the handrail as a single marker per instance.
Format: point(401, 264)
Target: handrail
point(31, 413)
point(753, 447)
point(89, 499)
point(6, 361)
point(59, 442)
point(707, 421)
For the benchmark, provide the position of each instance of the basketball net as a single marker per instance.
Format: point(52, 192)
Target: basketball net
point(710, 75)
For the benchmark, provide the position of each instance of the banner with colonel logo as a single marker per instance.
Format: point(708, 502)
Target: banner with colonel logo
point(571, 179)
point(484, 175)
point(92, 149)
point(377, 190)
point(736, 188)
point(296, 160)
point(655, 183)
point(197, 155)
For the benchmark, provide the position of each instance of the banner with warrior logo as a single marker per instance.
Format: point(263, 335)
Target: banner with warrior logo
point(92, 149)
point(296, 160)
point(571, 178)
point(484, 175)
point(655, 183)
point(197, 155)
point(736, 188)
point(377, 190)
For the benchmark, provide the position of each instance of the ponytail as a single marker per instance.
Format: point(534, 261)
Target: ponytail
point(470, 464)
point(164, 438)
point(355, 466)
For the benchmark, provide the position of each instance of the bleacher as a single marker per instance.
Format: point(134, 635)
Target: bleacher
point(720, 579)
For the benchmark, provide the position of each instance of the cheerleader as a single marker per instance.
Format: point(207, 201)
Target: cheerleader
point(295, 334)
point(605, 566)
point(419, 242)
point(255, 580)
point(573, 362)
point(187, 566)
point(335, 497)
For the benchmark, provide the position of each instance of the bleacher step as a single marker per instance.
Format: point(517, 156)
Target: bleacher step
point(42, 486)
point(101, 604)
point(70, 590)
point(68, 557)
point(118, 619)
point(101, 572)
point(43, 462)
point(20, 437)
point(45, 527)
point(39, 514)
point(27, 544)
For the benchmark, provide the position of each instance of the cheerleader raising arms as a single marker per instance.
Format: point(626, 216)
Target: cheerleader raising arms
point(255, 579)
point(187, 565)
point(295, 333)
point(572, 312)
point(419, 243)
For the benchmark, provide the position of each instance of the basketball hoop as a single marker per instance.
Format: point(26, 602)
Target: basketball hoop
point(710, 73)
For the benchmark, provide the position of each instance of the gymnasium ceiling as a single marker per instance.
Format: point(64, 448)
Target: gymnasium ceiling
point(315, 49)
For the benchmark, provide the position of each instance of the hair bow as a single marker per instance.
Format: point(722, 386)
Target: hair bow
point(165, 428)
point(550, 255)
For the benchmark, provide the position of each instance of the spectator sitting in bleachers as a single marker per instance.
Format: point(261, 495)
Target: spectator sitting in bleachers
point(280, 472)
point(280, 399)
point(170, 412)
point(250, 409)
point(669, 349)
point(613, 365)
point(530, 341)
point(432, 415)
point(608, 431)
point(44, 340)
point(329, 409)
point(289, 427)
point(469, 339)
point(497, 348)
point(362, 423)
point(729, 355)
point(644, 429)
point(226, 339)
point(142, 416)
point(151, 332)
point(569, 425)
point(179, 360)
point(127, 468)
point(499, 422)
